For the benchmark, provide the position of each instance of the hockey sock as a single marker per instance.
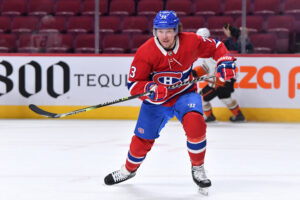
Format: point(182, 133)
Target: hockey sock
point(235, 110)
point(137, 152)
point(231, 105)
point(195, 129)
point(207, 110)
point(208, 113)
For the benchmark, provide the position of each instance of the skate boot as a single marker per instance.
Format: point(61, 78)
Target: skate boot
point(118, 176)
point(200, 179)
point(210, 118)
point(238, 118)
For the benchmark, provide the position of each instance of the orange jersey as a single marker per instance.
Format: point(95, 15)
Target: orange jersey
point(153, 63)
point(208, 67)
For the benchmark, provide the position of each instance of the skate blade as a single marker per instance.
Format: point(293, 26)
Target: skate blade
point(203, 191)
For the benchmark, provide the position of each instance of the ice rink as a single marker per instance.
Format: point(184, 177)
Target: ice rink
point(68, 159)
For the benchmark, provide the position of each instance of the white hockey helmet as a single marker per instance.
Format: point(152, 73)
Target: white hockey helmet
point(203, 32)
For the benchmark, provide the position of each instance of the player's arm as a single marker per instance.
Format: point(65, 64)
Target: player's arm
point(139, 74)
point(216, 49)
point(138, 80)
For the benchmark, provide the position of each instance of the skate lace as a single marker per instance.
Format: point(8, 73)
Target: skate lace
point(199, 173)
point(120, 175)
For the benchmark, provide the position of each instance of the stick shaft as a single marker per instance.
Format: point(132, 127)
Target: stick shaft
point(42, 112)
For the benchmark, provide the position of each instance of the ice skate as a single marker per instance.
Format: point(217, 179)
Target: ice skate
point(210, 118)
point(201, 179)
point(118, 176)
point(238, 118)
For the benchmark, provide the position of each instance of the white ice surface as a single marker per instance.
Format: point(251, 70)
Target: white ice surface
point(68, 159)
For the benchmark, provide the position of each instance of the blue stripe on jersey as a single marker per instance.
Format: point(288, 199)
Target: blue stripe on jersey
point(134, 159)
point(129, 85)
point(216, 41)
point(196, 146)
point(186, 75)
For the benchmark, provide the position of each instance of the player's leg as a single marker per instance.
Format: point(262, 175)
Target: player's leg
point(208, 94)
point(208, 114)
point(189, 112)
point(138, 150)
point(224, 94)
point(233, 106)
point(152, 119)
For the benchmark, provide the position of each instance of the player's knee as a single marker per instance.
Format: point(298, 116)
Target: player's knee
point(229, 85)
point(194, 125)
point(223, 93)
point(140, 146)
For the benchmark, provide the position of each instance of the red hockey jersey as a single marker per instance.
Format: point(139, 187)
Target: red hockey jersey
point(153, 63)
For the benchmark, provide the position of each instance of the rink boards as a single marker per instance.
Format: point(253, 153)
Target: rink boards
point(267, 88)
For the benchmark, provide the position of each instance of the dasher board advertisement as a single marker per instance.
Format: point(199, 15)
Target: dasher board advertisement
point(69, 80)
point(267, 82)
point(264, 81)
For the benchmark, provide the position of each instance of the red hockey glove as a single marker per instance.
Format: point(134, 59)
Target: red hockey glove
point(226, 68)
point(158, 92)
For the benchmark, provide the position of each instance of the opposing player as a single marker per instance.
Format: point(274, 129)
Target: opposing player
point(216, 87)
point(166, 59)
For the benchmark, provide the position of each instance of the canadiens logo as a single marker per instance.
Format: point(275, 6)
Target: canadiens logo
point(167, 78)
point(141, 130)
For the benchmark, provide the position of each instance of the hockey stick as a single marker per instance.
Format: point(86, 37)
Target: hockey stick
point(42, 112)
point(213, 82)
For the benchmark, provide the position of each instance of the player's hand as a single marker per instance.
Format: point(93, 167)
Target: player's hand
point(158, 92)
point(226, 70)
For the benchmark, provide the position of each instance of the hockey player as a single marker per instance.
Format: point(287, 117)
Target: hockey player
point(166, 59)
point(216, 87)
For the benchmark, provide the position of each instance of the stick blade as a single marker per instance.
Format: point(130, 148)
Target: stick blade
point(39, 111)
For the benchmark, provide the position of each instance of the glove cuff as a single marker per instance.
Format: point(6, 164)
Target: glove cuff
point(226, 58)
